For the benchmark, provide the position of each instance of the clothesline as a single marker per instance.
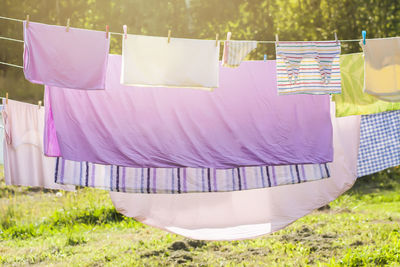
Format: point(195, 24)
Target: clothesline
point(21, 41)
point(115, 33)
point(11, 39)
point(12, 65)
point(118, 33)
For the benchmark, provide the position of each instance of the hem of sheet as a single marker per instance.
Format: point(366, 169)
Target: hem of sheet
point(307, 92)
point(381, 94)
point(168, 192)
point(210, 89)
point(191, 233)
point(393, 99)
point(363, 111)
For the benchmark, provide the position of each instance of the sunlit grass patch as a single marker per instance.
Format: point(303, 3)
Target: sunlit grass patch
point(83, 228)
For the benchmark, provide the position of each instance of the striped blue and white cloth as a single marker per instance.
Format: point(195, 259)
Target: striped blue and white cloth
point(183, 180)
point(308, 67)
point(379, 142)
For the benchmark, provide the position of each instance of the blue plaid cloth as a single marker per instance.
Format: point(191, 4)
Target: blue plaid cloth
point(379, 142)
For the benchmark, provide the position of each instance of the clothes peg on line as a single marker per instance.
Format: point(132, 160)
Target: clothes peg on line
point(169, 36)
point(336, 39)
point(68, 20)
point(216, 39)
point(364, 35)
point(276, 40)
point(6, 98)
point(265, 57)
point(125, 28)
point(27, 21)
point(39, 103)
point(107, 30)
point(228, 36)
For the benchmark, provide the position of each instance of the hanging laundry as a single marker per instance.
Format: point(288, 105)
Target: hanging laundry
point(153, 61)
point(183, 180)
point(352, 100)
point(51, 146)
point(1, 136)
point(308, 67)
point(244, 123)
point(24, 162)
point(382, 68)
point(393, 98)
point(236, 51)
point(379, 142)
point(248, 214)
point(75, 58)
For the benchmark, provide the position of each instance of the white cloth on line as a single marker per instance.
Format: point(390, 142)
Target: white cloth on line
point(382, 68)
point(24, 160)
point(251, 213)
point(152, 61)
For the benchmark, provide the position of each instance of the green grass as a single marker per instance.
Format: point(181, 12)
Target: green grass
point(361, 228)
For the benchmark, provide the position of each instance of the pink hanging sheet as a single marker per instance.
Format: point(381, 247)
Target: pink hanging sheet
point(250, 213)
point(75, 59)
point(243, 123)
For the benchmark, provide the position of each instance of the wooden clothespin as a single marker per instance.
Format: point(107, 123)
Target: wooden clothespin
point(216, 39)
point(276, 40)
point(107, 30)
point(125, 28)
point(364, 35)
point(27, 21)
point(67, 29)
point(336, 39)
point(169, 36)
point(6, 98)
point(39, 103)
point(228, 36)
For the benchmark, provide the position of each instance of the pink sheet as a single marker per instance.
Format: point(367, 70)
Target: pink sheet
point(242, 123)
point(74, 59)
point(251, 213)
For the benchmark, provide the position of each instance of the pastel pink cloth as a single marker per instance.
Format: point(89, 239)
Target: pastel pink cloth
point(251, 213)
point(24, 162)
point(242, 123)
point(74, 59)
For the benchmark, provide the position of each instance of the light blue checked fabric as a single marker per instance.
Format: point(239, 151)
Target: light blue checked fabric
point(379, 142)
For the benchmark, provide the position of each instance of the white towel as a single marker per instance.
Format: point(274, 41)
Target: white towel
point(152, 61)
point(382, 68)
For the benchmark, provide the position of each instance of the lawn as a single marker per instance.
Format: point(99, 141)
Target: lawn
point(82, 228)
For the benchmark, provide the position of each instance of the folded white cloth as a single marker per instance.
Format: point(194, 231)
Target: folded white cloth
point(152, 61)
point(382, 68)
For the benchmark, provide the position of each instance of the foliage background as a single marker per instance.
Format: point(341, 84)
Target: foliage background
point(250, 20)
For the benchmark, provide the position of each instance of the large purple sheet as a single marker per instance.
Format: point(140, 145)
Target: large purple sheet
point(242, 123)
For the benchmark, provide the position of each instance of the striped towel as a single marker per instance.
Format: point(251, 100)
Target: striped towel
point(183, 180)
point(236, 51)
point(308, 67)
